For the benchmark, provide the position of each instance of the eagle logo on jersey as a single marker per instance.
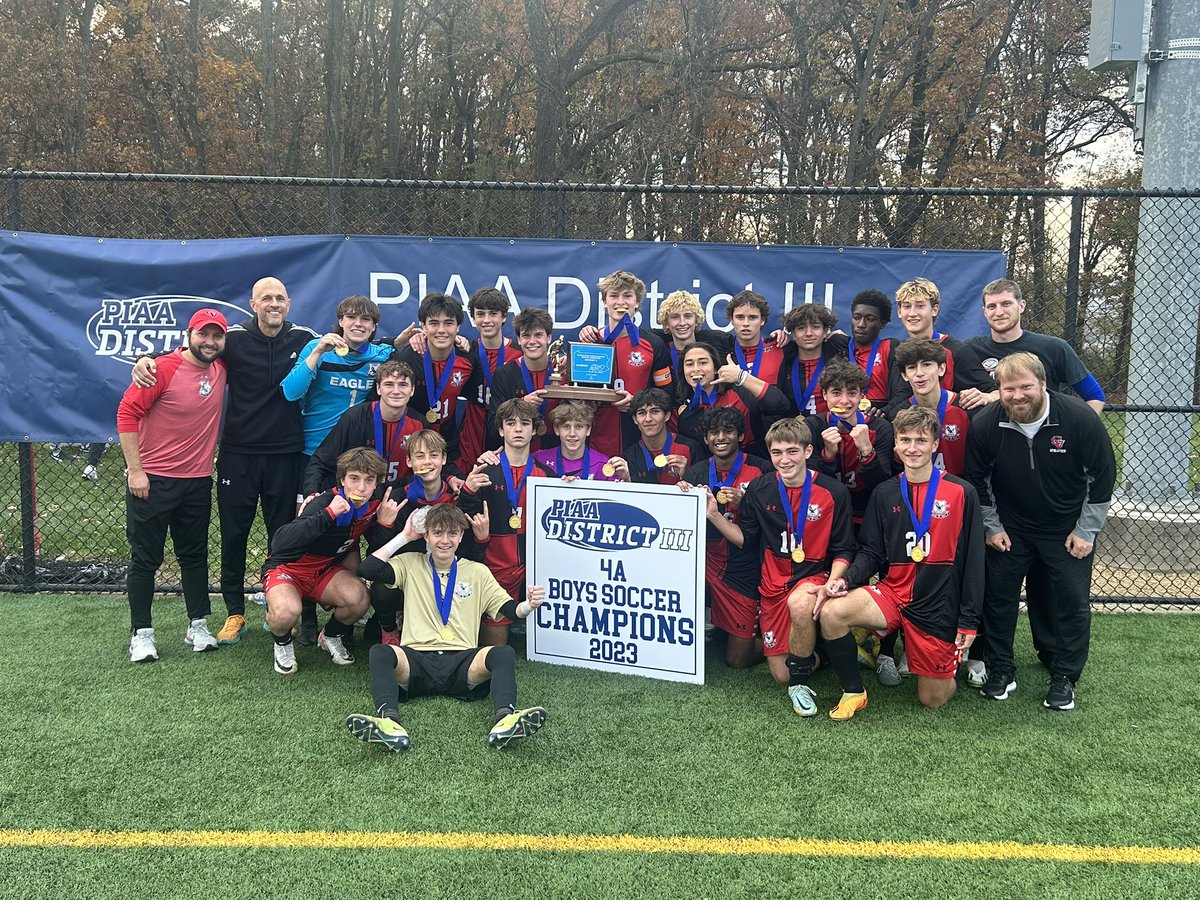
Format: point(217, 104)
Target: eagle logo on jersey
point(814, 512)
point(456, 379)
point(950, 433)
point(636, 358)
point(941, 509)
point(205, 387)
point(462, 590)
point(769, 640)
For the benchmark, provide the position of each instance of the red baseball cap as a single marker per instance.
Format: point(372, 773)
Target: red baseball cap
point(207, 317)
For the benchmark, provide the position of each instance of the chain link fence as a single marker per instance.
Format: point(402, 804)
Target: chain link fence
point(1111, 271)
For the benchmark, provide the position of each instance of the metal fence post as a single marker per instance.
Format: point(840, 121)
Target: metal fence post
point(560, 212)
point(28, 524)
point(1074, 252)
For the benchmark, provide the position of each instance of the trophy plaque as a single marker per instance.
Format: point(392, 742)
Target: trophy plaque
point(588, 372)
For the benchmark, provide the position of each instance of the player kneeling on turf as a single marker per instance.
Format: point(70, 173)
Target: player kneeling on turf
point(444, 598)
point(923, 534)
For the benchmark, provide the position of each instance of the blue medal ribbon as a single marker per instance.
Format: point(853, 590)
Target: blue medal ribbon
point(758, 357)
point(833, 421)
point(445, 599)
point(386, 450)
point(943, 402)
point(921, 526)
point(488, 371)
point(666, 451)
point(354, 513)
point(715, 484)
point(938, 336)
point(585, 469)
point(701, 397)
point(510, 486)
point(626, 325)
point(529, 386)
point(434, 395)
point(870, 359)
point(796, 522)
point(802, 397)
point(674, 357)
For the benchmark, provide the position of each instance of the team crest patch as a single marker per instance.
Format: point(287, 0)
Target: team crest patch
point(371, 367)
point(814, 512)
point(456, 379)
point(1058, 442)
point(990, 364)
point(462, 590)
point(941, 509)
point(205, 386)
point(636, 358)
point(769, 640)
point(950, 433)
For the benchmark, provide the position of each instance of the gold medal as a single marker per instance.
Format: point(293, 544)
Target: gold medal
point(682, 408)
point(341, 351)
point(609, 469)
point(722, 496)
point(514, 521)
point(798, 554)
point(660, 461)
point(864, 404)
point(446, 634)
point(917, 554)
point(431, 417)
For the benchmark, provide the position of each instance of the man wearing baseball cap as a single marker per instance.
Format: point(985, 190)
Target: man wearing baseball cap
point(168, 434)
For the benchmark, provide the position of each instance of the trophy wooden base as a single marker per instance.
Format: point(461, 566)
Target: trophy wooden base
point(580, 392)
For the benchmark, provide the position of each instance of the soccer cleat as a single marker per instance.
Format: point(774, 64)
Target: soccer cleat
point(848, 706)
point(888, 674)
point(519, 724)
point(804, 700)
point(90, 473)
point(142, 647)
point(307, 635)
point(976, 673)
point(1000, 685)
point(1061, 695)
point(336, 648)
point(233, 629)
point(199, 638)
point(902, 667)
point(868, 647)
point(285, 658)
point(390, 638)
point(378, 730)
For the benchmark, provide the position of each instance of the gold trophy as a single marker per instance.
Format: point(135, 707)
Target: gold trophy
point(583, 372)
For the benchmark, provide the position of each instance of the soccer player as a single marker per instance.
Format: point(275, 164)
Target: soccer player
point(488, 309)
point(704, 383)
point(384, 425)
point(870, 312)
point(307, 557)
point(498, 492)
point(168, 433)
point(658, 457)
point(444, 598)
point(1044, 467)
point(797, 534)
point(573, 457)
point(805, 358)
point(1003, 306)
point(922, 536)
point(527, 376)
point(748, 312)
point(441, 373)
point(855, 450)
point(922, 363)
point(918, 303)
point(679, 318)
point(725, 476)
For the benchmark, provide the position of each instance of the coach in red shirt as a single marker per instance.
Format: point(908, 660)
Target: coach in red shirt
point(168, 434)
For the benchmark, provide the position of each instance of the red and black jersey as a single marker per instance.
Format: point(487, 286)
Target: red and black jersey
point(708, 473)
point(759, 412)
point(879, 368)
point(461, 373)
point(766, 567)
point(951, 453)
point(357, 428)
point(643, 471)
point(510, 384)
point(796, 375)
point(635, 368)
point(963, 370)
point(472, 435)
point(772, 359)
point(317, 535)
point(946, 586)
point(860, 476)
point(504, 550)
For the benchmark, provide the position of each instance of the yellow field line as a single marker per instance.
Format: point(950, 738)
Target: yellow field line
point(595, 843)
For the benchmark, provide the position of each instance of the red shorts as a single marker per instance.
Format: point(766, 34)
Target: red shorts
point(310, 579)
point(733, 612)
point(928, 656)
point(776, 621)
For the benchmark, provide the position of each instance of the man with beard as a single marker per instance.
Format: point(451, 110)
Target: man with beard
point(1044, 467)
point(168, 434)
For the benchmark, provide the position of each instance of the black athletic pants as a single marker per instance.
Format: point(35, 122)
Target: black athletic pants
point(183, 506)
point(1066, 614)
point(242, 479)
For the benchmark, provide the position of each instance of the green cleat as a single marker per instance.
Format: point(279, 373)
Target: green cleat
point(378, 730)
point(519, 724)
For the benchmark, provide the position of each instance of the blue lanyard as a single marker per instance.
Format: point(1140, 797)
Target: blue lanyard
point(387, 451)
point(510, 486)
point(729, 481)
point(701, 397)
point(942, 403)
point(444, 599)
point(802, 398)
point(666, 451)
point(921, 526)
point(833, 421)
point(434, 395)
point(488, 372)
point(758, 357)
point(870, 359)
point(354, 513)
point(626, 325)
point(585, 470)
point(529, 388)
point(796, 522)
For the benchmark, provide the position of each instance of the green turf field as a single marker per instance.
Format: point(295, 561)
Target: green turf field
point(219, 742)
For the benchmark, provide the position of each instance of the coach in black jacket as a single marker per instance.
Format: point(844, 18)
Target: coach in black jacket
point(1044, 468)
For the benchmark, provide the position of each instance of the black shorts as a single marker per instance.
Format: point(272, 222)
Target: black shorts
point(442, 673)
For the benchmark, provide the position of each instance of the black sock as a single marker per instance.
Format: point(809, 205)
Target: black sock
point(502, 663)
point(336, 628)
point(799, 668)
point(843, 656)
point(282, 641)
point(887, 647)
point(308, 612)
point(385, 691)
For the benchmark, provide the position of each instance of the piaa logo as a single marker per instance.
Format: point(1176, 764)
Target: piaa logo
point(600, 525)
point(129, 328)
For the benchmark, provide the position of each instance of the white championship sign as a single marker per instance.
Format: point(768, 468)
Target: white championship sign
point(623, 568)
